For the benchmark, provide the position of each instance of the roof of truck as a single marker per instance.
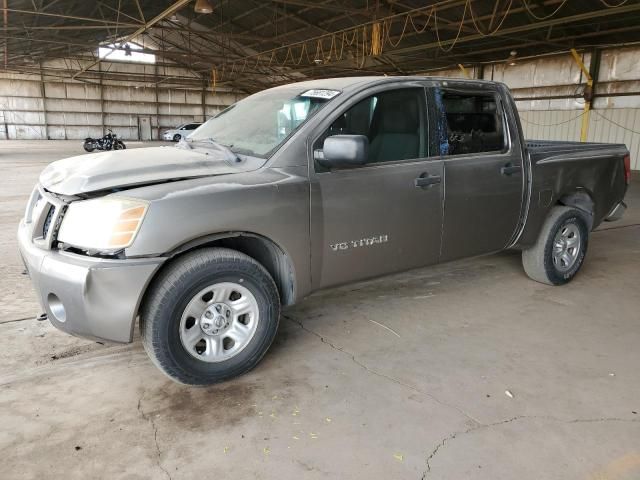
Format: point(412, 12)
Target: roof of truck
point(347, 83)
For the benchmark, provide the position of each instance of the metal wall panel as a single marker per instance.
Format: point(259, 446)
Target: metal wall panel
point(56, 109)
point(612, 125)
point(546, 89)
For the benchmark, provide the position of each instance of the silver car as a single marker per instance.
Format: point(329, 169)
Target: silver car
point(180, 132)
point(296, 189)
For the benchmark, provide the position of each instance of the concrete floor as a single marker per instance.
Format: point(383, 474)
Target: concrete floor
point(339, 396)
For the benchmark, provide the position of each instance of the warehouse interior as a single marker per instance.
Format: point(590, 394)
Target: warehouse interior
point(463, 370)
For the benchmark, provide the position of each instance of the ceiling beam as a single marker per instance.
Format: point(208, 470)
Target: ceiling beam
point(68, 17)
point(467, 38)
point(165, 13)
point(325, 6)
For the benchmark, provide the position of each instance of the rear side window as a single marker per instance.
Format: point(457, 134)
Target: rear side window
point(469, 122)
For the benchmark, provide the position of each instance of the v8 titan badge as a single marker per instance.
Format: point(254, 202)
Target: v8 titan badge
point(363, 242)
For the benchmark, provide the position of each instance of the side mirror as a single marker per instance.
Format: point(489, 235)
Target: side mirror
point(341, 151)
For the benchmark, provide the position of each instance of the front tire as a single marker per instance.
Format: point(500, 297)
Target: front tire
point(177, 137)
point(211, 315)
point(560, 249)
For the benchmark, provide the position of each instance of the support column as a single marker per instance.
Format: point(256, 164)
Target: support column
point(480, 71)
point(588, 93)
point(43, 95)
point(157, 106)
point(204, 102)
point(464, 71)
point(101, 101)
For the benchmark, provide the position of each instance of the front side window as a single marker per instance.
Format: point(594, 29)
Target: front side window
point(259, 124)
point(468, 122)
point(392, 121)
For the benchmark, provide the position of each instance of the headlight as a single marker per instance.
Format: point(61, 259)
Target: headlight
point(102, 224)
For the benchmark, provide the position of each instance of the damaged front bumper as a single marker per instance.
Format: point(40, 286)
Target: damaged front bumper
point(88, 297)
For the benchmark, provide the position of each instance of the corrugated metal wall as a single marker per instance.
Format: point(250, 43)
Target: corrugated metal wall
point(548, 95)
point(614, 125)
point(547, 92)
point(35, 109)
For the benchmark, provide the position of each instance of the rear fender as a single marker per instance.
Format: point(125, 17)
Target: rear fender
point(582, 201)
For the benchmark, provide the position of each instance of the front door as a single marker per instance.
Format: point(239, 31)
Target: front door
point(483, 170)
point(386, 215)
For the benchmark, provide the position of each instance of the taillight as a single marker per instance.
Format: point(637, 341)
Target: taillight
point(627, 168)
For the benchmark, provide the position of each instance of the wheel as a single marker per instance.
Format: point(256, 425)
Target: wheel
point(561, 247)
point(88, 147)
point(118, 145)
point(211, 315)
point(177, 137)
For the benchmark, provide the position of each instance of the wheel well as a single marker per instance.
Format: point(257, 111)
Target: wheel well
point(582, 200)
point(262, 250)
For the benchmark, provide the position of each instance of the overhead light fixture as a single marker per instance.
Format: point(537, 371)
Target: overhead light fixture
point(203, 6)
point(512, 58)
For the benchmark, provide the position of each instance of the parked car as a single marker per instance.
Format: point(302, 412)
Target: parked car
point(296, 189)
point(180, 132)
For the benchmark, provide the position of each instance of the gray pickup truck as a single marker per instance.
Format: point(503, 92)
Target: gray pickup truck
point(296, 189)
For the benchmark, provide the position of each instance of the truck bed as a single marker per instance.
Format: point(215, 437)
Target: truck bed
point(559, 168)
point(546, 147)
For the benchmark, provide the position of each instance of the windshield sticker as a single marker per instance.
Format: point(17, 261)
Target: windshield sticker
point(326, 94)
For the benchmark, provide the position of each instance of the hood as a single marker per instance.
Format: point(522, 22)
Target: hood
point(140, 166)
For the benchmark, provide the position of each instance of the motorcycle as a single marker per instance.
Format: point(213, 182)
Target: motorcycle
point(108, 142)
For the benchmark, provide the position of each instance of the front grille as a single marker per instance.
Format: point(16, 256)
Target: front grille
point(47, 221)
point(44, 213)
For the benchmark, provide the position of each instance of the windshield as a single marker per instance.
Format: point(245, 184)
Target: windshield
point(259, 124)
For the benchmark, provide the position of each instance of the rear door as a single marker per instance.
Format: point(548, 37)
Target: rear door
point(483, 171)
point(386, 215)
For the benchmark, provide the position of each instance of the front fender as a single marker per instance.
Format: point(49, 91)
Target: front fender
point(268, 203)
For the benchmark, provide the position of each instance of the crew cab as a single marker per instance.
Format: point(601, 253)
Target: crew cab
point(300, 188)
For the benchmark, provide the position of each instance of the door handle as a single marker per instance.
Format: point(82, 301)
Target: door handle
point(510, 169)
point(426, 180)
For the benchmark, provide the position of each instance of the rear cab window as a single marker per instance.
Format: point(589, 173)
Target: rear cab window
point(468, 122)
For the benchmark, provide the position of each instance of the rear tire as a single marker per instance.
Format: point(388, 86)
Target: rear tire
point(191, 317)
point(560, 249)
point(88, 147)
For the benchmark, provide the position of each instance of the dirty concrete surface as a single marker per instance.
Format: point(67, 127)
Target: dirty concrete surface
point(339, 395)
